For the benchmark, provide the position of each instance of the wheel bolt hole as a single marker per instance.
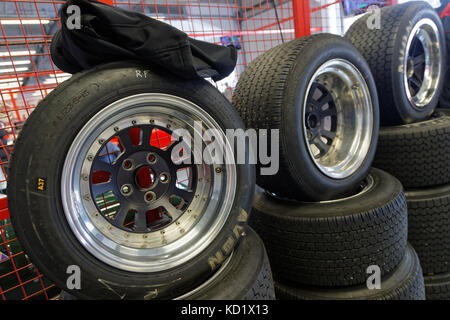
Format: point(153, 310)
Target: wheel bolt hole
point(151, 158)
point(127, 164)
point(149, 196)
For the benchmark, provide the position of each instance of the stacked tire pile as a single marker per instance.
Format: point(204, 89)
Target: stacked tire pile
point(414, 140)
point(331, 224)
point(414, 143)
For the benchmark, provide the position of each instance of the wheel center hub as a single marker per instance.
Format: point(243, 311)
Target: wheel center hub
point(144, 177)
point(312, 121)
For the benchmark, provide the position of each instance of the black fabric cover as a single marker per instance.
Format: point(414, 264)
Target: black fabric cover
point(112, 34)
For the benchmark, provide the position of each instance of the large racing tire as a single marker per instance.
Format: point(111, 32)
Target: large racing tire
point(405, 48)
point(126, 242)
point(319, 93)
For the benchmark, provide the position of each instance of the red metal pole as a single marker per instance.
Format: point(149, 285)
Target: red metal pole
point(110, 2)
point(302, 18)
point(15, 108)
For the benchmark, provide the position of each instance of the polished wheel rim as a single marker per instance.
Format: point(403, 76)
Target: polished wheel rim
point(338, 118)
point(128, 197)
point(422, 63)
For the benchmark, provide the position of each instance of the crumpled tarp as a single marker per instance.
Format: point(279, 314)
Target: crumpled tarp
point(110, 34)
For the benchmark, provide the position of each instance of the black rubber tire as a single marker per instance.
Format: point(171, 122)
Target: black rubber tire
point(270, 95)
point(246, 276)
point(429, 227)
point(437, 287)
point(404, 283)
point(333, 243)
point(417, 154)
point(39, 218)
point(385, 49)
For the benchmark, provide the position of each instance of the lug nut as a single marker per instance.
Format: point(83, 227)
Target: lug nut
point(125, 189)
point(164, 178)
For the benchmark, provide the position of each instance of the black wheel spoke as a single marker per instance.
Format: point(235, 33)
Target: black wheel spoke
point(420, 59)
point(326, 98)
point(184, 194)
point(313, 134)
point(140, 220)
point(125, 140)
point(173, 212)
point(329, 135)
point(146, 135)
point(322, 146)
point(330, 112)
point(416, 81)
point(100, 165)
point(121, 215)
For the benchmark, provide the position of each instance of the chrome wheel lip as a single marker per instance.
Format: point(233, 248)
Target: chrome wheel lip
point(364, 119)
point(369, 183)
point(427, 33)
point(159, 250)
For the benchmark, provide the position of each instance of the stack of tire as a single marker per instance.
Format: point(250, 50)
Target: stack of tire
point(331, 224)
point(414, 141)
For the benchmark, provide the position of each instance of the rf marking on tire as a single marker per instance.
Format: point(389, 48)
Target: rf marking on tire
point(227, 247)
point(74, 280)
point(374, 280)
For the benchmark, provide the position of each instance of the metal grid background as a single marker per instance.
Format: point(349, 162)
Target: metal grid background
point(27, 73)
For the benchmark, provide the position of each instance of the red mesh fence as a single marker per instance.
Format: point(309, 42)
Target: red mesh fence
point(19, 279)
